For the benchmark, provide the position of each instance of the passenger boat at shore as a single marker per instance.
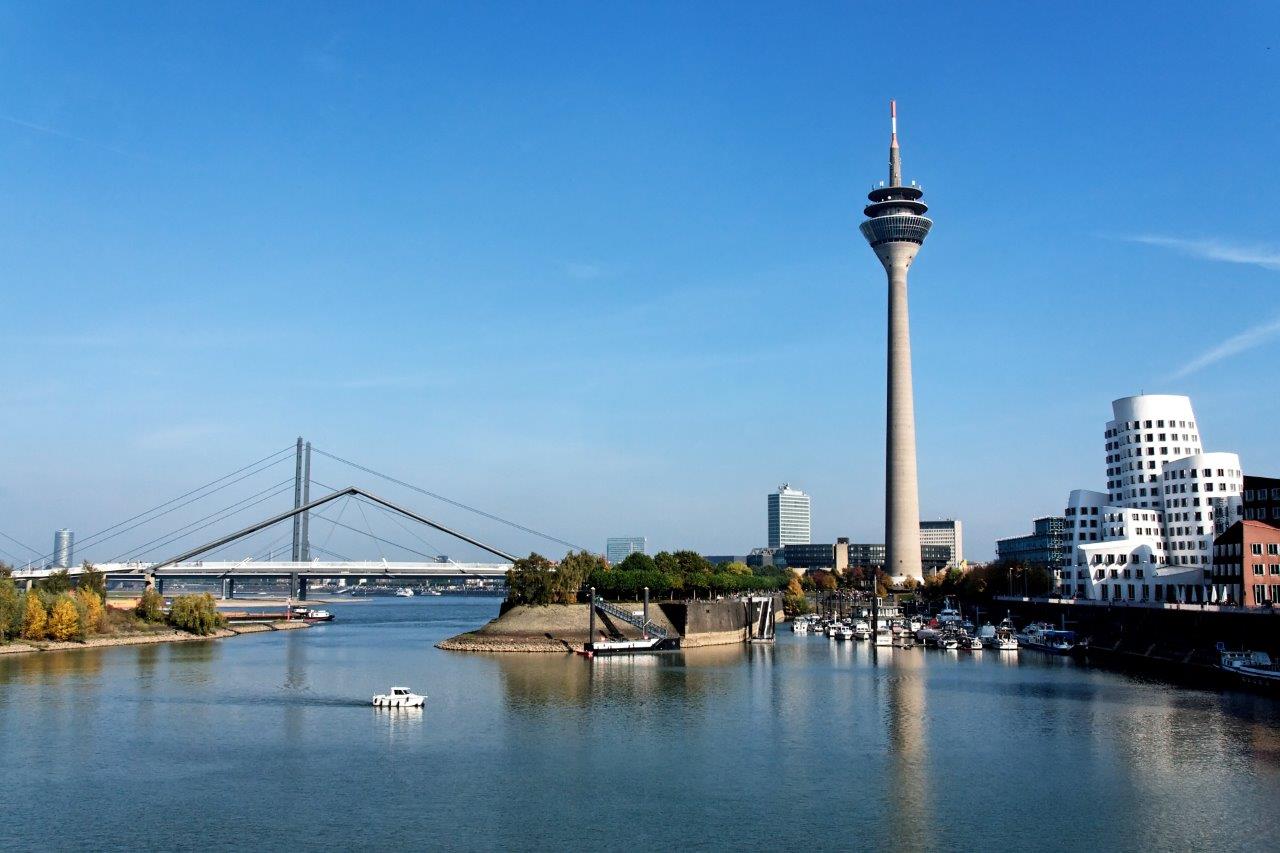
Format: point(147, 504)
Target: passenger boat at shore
point(1045, 638)
point(1251, 667)
point(311, 615)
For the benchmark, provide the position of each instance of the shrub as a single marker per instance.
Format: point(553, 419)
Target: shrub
point(10, 609)
point(64, 621)
point(33, 617)
point(150, 607)
point(93, 615)
point(196, 613)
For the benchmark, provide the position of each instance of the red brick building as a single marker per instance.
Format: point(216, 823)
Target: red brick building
point(1246, 564)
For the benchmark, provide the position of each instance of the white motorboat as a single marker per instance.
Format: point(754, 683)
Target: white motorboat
point(399, 697)
point(800, 625)
point(843, 632)
point(861, 630)
point(884, 635)
point(1002, 637)
point(404, 592)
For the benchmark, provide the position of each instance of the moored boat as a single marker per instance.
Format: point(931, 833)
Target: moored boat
point(1251, 667)
point(1045, 638)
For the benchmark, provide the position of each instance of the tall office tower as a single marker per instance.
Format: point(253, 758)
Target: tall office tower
point(948, 533)
point(789, 517)
point(1149, 536)
point(618, 548)
point(64, 547)
point(896, 227)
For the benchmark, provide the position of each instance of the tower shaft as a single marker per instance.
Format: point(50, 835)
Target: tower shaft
point(902, 495)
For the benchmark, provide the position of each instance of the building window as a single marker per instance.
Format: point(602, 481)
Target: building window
point(1257, 568)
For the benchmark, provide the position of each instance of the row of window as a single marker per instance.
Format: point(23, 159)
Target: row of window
point(1261, 494)
point(1260, 514)
point(1159, 424)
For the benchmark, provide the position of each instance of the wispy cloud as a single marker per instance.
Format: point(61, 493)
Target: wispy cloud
point(61, 134)
point(1213, 249)
point(583, 271)
point(1234, 345)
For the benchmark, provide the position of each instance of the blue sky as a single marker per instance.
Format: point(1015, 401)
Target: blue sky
point(596, 267)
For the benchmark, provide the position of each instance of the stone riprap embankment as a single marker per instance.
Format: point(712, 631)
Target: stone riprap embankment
point(563, 627)
point(148, 637)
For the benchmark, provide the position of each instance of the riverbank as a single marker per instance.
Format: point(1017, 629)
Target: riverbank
point(142, 638)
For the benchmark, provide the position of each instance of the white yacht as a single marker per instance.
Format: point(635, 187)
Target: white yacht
point(1046, 638)
point(399, 697)
point(1254, 668)
point(861, 630)
point(404, 592)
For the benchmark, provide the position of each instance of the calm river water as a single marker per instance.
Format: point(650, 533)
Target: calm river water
point(268, 741)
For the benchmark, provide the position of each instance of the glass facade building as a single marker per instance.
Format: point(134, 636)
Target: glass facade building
point(618, 548)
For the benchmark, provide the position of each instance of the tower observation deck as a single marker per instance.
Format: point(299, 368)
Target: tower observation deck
point(895, 228)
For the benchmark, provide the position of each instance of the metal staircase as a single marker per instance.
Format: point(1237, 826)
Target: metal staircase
point(649, 628)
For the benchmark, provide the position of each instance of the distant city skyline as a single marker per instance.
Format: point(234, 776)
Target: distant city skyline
point(441, 242)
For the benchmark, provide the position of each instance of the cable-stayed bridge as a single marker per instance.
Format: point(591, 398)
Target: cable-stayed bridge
point(284, 544)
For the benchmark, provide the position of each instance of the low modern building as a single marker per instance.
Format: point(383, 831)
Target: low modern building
point(934, 558)
point(1150, 535)
point(790, 517)
point(948, 533)
point(1046, 547)
point(1246, 564)
point(618, 548)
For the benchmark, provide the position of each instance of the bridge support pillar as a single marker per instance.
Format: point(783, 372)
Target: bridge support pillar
point(302, 589)
point(30, 584)
point(157, 583)
point(149, 581)
point(228, 587)
point(293, 585)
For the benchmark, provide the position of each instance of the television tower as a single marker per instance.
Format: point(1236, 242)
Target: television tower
point(896, 227)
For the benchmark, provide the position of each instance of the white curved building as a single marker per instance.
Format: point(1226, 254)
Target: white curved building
point(1149, 537)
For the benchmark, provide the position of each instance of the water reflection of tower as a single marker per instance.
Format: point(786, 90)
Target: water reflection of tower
point(908, 749)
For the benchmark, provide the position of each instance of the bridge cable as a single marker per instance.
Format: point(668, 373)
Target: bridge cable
point(360, 506)
point(16, 542)
point(450, 501)
point(373, 536)
point(93, 539)
point(181, 532)
point(394, 516)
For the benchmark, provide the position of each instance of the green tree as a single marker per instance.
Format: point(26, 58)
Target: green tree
point(56, 583)
point(64, 620)
point(572, 572)
point(735, 567)
point(197, 614)
point(667, 564)
point(150, 606)
point(531, 580)
point(93, 580)
point(636, 562)
point(691, 562)
point(33, 617)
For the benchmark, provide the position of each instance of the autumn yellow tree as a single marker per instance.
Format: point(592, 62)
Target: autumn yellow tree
point(33, 618)
point(91, 606)
point(64, 621)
